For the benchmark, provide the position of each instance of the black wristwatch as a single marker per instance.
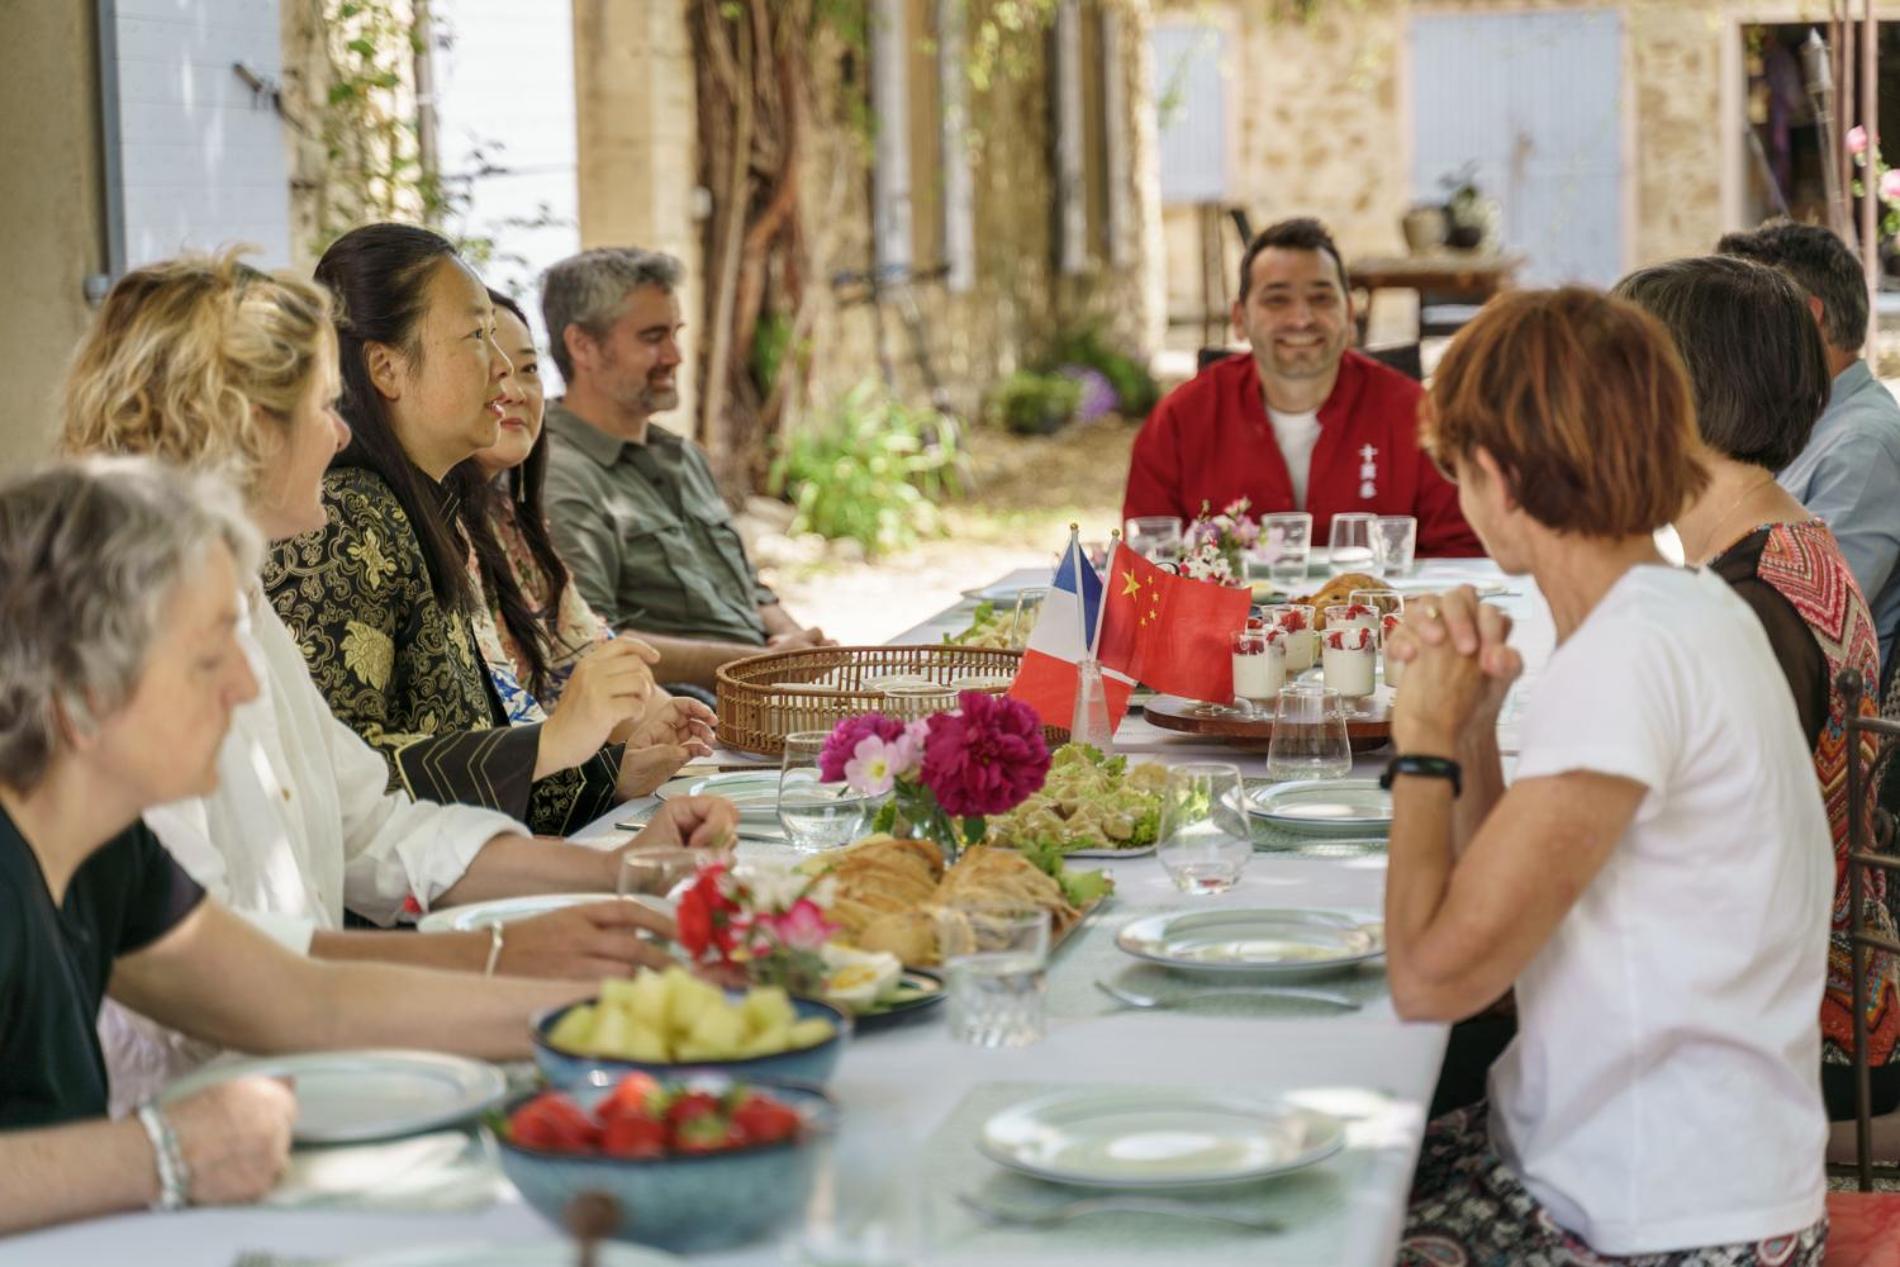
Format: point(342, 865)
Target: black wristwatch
point(1425, 767)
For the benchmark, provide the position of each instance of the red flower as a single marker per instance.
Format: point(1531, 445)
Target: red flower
point(705, 911)
point(986, 759)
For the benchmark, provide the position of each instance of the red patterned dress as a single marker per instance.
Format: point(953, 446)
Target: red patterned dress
point(1802, 565)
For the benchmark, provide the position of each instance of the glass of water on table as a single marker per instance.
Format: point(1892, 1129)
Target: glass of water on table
point(996, 961)
point(817, 815)
point(1206, 840)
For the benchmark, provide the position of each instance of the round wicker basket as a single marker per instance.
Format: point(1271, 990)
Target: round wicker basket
point(764, 698)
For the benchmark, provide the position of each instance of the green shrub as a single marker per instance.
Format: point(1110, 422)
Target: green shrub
point(871, 471)
point(1136, 392)
point(1035, 404)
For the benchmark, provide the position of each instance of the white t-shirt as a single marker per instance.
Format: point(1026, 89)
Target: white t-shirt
point(1296, 435)
point(1663, 1092)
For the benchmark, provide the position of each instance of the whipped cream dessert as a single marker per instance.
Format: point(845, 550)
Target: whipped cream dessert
point(1348, 658)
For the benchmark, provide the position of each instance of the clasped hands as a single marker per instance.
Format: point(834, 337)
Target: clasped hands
point(1458, 670)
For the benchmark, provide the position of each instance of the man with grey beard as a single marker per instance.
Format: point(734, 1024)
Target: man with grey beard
point(633, 508)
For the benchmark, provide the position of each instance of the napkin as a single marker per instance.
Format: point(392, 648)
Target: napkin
point(445, 1171)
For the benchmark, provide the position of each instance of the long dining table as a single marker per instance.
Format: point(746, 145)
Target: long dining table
point(909, 1093)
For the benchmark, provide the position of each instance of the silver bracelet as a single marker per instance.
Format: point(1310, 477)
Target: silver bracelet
point(494, 949)
point(174, 1179)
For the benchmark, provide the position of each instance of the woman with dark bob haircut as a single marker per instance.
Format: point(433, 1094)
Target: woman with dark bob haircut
point(1654, 884)
point(1760, 376)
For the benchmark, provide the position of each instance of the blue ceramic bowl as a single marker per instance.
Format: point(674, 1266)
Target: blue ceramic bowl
point(686, 1204)
point(811, 1066)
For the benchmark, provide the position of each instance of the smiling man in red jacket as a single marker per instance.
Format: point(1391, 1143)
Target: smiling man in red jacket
point(1305, 423)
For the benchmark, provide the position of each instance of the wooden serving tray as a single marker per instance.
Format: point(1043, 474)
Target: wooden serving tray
point(1368, 721)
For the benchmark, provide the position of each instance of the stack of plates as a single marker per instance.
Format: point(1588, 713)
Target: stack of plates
point(1158, 1139)
point(1286, 944)
point(355, 1097)
point(1325, 807)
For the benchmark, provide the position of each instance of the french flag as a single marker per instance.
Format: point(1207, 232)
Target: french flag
point(1066, 632)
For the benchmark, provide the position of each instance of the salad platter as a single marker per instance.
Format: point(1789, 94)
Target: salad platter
point(1090, 806)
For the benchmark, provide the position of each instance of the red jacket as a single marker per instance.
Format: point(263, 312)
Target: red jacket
point(1210, 441)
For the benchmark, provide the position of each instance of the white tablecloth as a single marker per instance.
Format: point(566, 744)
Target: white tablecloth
point(900, 1085)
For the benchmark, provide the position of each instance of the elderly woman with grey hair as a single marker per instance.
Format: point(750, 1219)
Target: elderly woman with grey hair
point(120, 666)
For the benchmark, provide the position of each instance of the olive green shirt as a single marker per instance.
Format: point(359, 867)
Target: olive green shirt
point(648, 538)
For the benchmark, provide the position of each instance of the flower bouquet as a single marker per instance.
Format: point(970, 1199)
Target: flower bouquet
point(945, 773)
point(1214, 547)
point(767, 925)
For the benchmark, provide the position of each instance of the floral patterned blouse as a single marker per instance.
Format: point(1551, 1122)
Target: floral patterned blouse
point(578, 629)
point(406, 673)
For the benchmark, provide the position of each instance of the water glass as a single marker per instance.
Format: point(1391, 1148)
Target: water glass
point(1309, 736)
point(915, 702)
point(867, 1206)
point(1286, 543)
point(1206, 840)
point(996, 960)
point(1394, 544)
point(1259, 669)
point(1153, 537)
point(817, 815)
point(1350, 546)
point(1022, 619)
point(657, 869)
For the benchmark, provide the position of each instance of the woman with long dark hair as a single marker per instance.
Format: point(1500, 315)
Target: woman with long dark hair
point(381, 599)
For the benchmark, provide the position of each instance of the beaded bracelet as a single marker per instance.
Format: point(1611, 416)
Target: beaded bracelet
point(174, 1179)
point(494, 949)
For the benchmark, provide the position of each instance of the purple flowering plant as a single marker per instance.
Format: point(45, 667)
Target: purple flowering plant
point(946, 773)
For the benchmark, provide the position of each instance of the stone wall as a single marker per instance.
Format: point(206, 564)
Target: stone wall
point(1323, 125)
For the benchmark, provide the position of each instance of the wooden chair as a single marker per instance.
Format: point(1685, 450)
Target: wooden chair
point(1864, 1226)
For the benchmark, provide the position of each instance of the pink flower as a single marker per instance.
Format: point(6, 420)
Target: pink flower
point(987, 758)
point(1890, 186)
point(872, 768)
point(1857, 140)
point(845, 737)
point(804, 927)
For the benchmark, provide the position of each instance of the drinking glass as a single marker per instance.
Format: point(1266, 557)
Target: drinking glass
point(1389, 602)
point(817, 815)
point(1259, 669)
point(658, 869)
point(1153, 537)
point(1295, 621)
point(1023, 619)
point(1309, 736)
point(995, 959)
point(912, 703)
point(1286, 542)
point(1205, 841)
point(867, 1206)
point(1394, 543)
point(1350, 545)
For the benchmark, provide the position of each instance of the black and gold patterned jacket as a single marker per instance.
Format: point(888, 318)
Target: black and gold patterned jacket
point(402, 670)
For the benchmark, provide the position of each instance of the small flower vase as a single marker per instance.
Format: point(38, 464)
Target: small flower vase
point(919, 817)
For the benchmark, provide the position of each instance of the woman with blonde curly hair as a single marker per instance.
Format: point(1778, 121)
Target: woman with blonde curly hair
point(216, 366)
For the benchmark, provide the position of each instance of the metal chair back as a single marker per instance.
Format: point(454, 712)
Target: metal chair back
point(1866, 833)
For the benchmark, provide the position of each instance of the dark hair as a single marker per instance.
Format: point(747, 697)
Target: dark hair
point(379, 276)
point(535, 630)
point(1302, 233)
point(1755, 359)
point(1583, 403)
point(1821, 264)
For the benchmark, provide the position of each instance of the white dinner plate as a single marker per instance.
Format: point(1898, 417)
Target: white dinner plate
point(755, 792)
point(506, 910)
point(1282, 943)
point(354, 1097)
point(1153, 1139)
point(540, 1254)
point(1324, 807)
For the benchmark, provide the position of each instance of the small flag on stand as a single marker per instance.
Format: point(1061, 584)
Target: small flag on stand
point(1169, 632)
point(1064, 637)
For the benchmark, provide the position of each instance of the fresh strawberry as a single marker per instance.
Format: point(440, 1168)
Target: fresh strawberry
point(634, 1136)
point(691, 1105)
point(763, 1120)
point(634, 1097)
point(706, 1133)
point(554, 1122)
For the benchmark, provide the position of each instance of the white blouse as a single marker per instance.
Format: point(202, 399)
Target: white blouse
point(302, 825)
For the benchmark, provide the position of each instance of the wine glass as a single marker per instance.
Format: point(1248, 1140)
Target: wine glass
point(1286, 543)
point(1309, 736)
point(817, 815)
point(1206, 840)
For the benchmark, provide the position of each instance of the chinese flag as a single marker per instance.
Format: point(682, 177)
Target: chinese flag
point(1171, 632)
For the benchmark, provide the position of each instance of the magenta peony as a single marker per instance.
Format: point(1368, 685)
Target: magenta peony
point(987, 758)
point(845, 737)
